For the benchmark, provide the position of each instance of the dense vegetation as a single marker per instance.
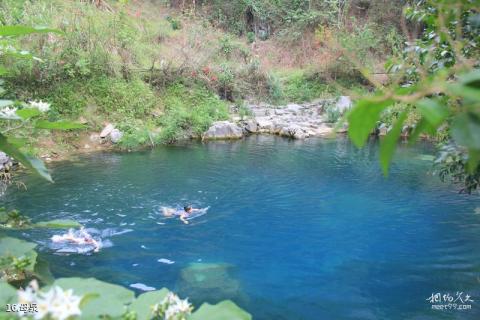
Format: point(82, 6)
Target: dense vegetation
point(120, 61)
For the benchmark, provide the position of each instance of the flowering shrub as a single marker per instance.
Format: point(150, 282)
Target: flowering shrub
point(172, 308)
point(56, 303)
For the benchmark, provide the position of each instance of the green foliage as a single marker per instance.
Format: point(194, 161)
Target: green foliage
point(13, 219)
point(360, 42)
point(226, 45)
point(301, 87)
point(57, 224)
point(142, 306)
point(174, 23)
point(451, 163)
point(390, 115)
point(136, 134)
point(222, 310)
point(333, 113)
point(8, 295)
point(438, 75)
point(17, 259)
point(250, 37)
point(275, 90)
point(189, 111)
point(107, 299)
point(114, 98)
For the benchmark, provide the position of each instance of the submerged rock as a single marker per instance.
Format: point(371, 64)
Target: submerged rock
point(223, 130)
point(210, 282)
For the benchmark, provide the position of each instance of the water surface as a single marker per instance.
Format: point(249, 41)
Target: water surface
point(296, 230)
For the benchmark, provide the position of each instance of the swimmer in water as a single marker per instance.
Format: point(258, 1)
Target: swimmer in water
point(187, 211)
point(85, 238)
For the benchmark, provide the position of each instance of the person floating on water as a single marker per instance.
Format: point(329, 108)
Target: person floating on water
point(81, 238)
point(183, 214)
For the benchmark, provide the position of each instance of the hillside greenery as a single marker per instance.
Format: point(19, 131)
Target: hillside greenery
point(120, 61)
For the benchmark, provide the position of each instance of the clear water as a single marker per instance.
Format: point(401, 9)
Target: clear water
point(296, 230)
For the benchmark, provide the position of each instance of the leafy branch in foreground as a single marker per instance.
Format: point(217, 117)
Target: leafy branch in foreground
point(439, 76)
point(20, 113)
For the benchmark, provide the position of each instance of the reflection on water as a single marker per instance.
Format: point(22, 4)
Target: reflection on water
point(295, 230)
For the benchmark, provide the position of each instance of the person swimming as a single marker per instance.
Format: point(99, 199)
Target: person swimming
point(83, 238)
point(183, 214)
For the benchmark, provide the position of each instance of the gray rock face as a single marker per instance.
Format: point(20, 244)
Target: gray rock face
point(293, 131)
point(223, 130)
point(343, 104)
point(116, 135)
point(4, 158)
point(383, 130)
point(107, 130)
point(5, 161)
point(297, 121)
point(95, 138)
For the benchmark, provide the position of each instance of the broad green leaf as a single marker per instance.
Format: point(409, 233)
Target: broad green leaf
point(17, 142)
point(3, 70)
point(363, 118)
point(8, 295)
point(466, 130)
point(20, 30)
point(42, 271)
point(19, 249)
point(142, 305)
point(471, 79)
point(464, 91)
point(225, 310)
point(33, 164)
point(389, 144)
point(111, 300)
point(434, 112)
point(59, 125)
point(28, 113)
point(58, 224)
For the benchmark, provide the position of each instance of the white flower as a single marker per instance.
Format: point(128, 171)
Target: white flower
point(62, 304)
point(40, 105)
point(183, 305)
point(9, 113)
point(57, 303)
point(175, 308)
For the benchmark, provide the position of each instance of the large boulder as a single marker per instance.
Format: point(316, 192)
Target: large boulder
point(265, 124)
point(4, 158)
point(209, 282)
point(116, 135)
point(223, 130)
point(293, 131)
point(294, 108)
point(106, 131)
point(250, 126)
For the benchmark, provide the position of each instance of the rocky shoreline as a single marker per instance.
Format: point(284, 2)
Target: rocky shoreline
point(296, 121)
